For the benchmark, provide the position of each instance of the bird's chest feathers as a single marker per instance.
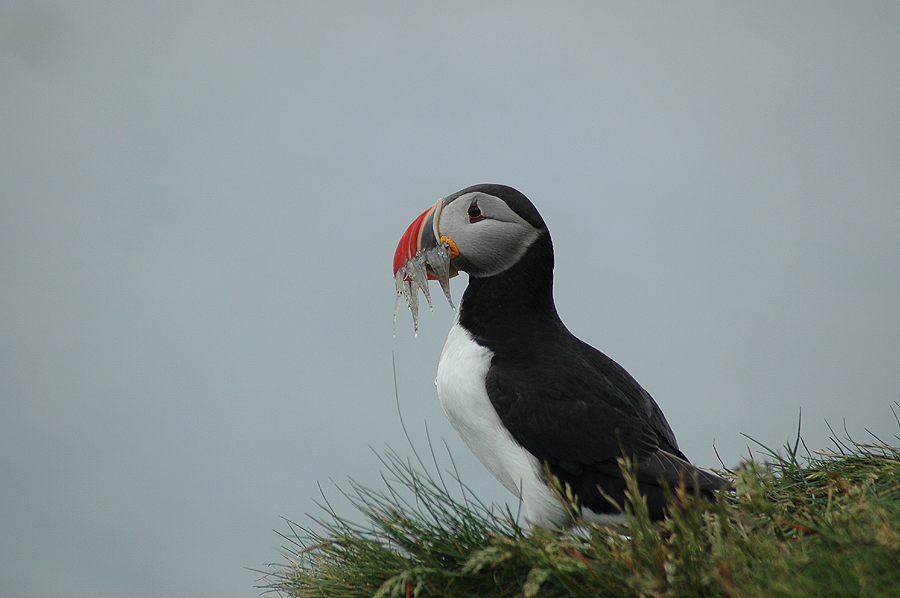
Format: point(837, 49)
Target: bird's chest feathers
point(462, 369)
point(460, 384)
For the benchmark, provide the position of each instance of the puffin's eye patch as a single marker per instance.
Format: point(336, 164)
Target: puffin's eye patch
point(475, 213)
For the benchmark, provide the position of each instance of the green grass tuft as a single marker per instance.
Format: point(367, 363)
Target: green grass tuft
point(822, 524)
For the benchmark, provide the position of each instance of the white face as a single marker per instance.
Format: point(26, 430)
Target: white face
point(488, 244)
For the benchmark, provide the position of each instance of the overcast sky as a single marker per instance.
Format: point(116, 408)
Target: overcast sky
point(199, 203)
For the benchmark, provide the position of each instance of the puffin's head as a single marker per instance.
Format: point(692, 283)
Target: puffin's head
point(482, 230)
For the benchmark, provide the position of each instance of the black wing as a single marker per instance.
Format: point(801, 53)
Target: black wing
point(578, 410)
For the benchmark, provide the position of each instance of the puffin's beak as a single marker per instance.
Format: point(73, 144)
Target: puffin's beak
point(423, 254)
point(421, 234)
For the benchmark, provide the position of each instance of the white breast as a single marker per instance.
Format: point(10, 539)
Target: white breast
point(460, 385)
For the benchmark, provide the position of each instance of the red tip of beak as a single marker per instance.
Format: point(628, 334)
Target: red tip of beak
point(410, 241)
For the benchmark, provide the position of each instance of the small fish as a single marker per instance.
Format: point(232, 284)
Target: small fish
point(430, 262)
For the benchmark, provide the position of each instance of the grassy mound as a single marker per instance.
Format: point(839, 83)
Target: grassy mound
point(825, 524)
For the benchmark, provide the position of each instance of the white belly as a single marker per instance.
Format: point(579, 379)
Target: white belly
point(460, 385)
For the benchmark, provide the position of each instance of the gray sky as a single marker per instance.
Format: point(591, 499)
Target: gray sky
point(200, 202)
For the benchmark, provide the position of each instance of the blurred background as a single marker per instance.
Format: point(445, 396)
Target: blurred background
point(199, 203)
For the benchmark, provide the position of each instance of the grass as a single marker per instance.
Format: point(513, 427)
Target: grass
point(817, 524)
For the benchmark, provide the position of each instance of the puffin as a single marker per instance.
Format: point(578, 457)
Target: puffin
point(528, 398)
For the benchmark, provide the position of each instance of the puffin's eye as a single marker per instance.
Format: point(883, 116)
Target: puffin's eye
point(475, 213)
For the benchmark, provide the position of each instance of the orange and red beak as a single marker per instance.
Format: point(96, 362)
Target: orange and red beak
point(422, 235)
point(423, 254)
